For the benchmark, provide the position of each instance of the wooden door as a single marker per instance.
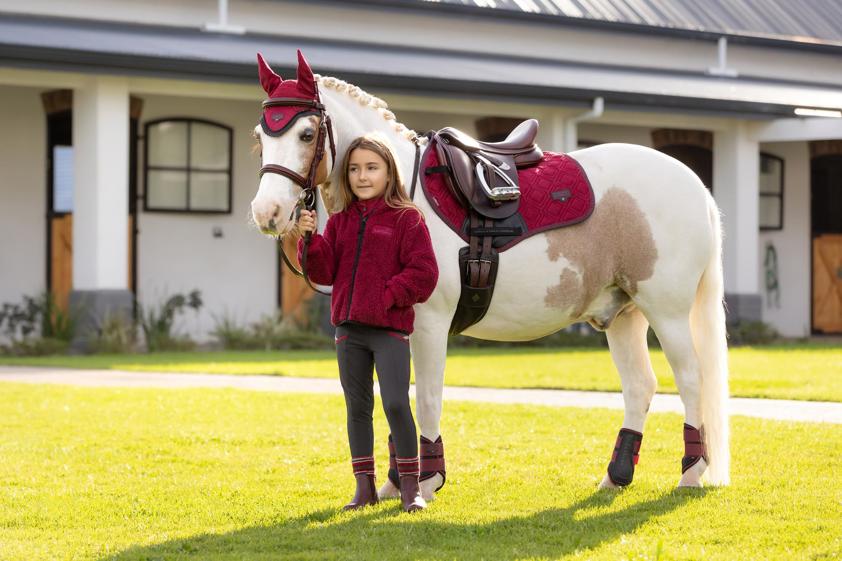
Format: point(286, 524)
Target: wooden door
point(61, 257)
point(293, 291)
point(827, 283)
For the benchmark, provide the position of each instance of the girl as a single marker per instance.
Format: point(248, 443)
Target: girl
point(378, 256)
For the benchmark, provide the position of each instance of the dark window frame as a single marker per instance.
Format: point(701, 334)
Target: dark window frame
point(187, 169)
point(779, 196)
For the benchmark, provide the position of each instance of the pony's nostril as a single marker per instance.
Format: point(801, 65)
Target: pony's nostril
point(271, 224)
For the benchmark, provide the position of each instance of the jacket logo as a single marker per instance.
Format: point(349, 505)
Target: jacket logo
point(277, 116)
point(382, 230)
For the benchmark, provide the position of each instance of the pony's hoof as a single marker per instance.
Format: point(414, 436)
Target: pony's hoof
point(429, 486)
point(693, 476)
point(607, 483)
point(388, 491)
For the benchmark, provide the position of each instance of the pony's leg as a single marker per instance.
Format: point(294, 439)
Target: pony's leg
point(428, 344)
point(677, 342)
point(627, 341)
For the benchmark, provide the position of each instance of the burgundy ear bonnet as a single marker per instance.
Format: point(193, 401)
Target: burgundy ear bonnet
point(277, 118)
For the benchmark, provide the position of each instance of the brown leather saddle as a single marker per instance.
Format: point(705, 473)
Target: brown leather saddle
point(483, 176)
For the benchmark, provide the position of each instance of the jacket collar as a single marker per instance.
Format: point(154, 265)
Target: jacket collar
point(370, 205)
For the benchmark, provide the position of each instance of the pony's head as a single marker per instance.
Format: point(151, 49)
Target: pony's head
point(289, 138)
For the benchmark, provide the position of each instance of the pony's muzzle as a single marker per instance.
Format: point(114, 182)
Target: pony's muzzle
point(266, 216)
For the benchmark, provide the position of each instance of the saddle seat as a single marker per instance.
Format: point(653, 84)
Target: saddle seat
point(520, 142)
point(484, 174)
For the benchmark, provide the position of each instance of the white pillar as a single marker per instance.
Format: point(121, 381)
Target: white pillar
point(551, 132)
point(735, 188)
point(101, 184)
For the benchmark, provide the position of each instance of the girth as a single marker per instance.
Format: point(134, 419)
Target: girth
point(484, 177)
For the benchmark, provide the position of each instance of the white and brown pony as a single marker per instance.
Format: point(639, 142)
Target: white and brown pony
point(650, 254)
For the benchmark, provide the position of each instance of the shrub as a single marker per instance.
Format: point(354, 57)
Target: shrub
point(157, 322)
point(37, 326)
point(114, 334)
point(271, 332)
point(231, 335)
point(751, 333)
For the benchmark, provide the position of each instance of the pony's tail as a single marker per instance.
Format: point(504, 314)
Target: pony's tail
point(707, 322)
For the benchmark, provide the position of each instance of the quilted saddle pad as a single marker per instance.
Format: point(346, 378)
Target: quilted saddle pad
point(553, 193)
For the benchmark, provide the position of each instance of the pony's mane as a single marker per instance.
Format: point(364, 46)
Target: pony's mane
point(367, 100)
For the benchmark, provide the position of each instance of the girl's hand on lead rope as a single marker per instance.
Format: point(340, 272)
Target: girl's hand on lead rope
point(307, 221)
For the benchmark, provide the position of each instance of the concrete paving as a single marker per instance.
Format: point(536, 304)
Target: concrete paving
point(778, 409)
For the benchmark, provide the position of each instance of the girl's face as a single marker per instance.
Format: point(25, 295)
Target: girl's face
point(368, 174)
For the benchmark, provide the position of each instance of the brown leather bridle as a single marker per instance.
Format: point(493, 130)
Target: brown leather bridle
point(307, 199)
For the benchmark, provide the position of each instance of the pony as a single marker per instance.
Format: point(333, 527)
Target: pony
point(650, 254)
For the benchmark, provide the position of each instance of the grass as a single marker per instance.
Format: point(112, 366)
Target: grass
point(805, 372)
point(118, 475)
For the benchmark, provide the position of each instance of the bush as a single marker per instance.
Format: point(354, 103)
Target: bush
point(751, 333)
point(37, 326)
point(271, 332)
point(231, 335)
point(157, 322)
point(36, 346)
point(115, 334)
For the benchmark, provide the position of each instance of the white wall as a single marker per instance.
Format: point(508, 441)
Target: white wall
point(792, 244)
point(23, 193)
point(177, 252)
point(595, 132)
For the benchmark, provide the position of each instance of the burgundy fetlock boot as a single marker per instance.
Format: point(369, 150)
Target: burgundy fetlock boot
point(366, 493)
point(411, 499)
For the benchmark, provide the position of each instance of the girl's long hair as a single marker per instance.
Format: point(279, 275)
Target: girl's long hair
point(395, 195)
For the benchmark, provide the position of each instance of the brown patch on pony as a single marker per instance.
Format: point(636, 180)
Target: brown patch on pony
point(613, 247)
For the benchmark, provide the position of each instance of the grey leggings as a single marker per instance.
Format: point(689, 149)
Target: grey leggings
point(358, 348)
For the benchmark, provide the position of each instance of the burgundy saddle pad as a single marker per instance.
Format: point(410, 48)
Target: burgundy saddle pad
point(553, 193)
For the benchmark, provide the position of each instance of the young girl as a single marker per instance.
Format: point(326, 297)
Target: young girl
point(378, 256)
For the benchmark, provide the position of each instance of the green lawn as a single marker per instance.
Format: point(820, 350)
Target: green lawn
point(119, 474)
point(790, 372)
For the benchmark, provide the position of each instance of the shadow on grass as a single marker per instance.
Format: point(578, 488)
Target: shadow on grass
point(383, 532)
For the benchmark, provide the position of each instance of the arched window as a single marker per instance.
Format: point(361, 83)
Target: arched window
point(693, 148)
point(187, 166)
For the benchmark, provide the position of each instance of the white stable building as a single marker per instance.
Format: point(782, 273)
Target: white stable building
point(126, 149)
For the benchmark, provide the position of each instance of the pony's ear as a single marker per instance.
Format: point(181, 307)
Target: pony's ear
point(268, 79)
point(306, 80)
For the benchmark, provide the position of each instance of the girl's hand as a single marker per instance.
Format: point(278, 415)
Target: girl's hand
point(307, 221)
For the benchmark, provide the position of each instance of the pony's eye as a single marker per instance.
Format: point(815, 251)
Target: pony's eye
point(307, 135)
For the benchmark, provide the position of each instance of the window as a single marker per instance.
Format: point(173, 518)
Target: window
point(187, 166)
point(771, 192)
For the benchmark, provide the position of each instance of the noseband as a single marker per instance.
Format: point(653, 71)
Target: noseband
point(307, 200)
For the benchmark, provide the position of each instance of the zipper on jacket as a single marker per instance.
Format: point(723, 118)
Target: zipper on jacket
point(356, 261)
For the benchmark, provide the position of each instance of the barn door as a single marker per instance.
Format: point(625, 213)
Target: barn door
point(827, 283)
point(826, 189)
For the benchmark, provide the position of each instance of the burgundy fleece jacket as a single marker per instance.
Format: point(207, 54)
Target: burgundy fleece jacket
point(380, 262)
